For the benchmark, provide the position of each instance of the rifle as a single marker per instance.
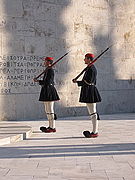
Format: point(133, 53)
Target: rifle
point(90, 64)
point(51, 65)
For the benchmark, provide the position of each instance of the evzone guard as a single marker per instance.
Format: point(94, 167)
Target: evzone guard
point(89, 94)
point(48, 95)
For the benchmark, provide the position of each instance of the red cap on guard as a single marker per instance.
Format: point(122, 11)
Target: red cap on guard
point(89, 55)
point(48, 58)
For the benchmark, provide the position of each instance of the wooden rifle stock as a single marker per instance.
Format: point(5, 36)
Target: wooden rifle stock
point(51, 65)
point(90, 64)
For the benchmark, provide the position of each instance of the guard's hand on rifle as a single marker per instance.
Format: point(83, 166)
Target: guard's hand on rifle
point(35, 80)
point(74, 80)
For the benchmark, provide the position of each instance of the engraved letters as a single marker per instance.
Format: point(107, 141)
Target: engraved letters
point(17, 73)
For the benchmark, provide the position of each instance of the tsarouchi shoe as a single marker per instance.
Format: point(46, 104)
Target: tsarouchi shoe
point(87, 134)
point(94, 135)
point(49, 130)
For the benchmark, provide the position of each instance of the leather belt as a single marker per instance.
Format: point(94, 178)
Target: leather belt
point(90, 84)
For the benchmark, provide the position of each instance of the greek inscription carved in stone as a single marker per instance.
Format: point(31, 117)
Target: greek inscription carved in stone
point(17, 73)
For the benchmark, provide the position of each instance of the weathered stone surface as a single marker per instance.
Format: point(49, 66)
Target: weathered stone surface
point(32, 29)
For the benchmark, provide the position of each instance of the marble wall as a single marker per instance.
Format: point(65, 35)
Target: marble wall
point(32, 29)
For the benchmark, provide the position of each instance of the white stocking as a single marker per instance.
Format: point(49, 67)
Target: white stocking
point(93, 114)
point(49, 109)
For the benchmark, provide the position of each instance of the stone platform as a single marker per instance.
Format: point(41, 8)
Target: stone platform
point(13, 131)
point(67, 155)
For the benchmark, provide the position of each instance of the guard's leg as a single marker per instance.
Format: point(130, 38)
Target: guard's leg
point(94, 117)
point(49, 109)
point(94, 122)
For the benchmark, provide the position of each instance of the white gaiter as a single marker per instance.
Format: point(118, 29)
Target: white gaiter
point(93, 115)
point(49, 109)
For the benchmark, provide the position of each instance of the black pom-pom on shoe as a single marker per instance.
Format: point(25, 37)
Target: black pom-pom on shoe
point(87, 134)
point(43, 129)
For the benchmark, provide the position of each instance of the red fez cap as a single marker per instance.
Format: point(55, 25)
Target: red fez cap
point(89, 55)
point(48, 58)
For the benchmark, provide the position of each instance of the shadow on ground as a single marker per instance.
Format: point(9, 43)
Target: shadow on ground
point(67, 150)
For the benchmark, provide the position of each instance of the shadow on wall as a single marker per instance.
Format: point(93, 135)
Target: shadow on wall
point(115, 79)
point(118, 95)
point(116, 76)
point(30, 30)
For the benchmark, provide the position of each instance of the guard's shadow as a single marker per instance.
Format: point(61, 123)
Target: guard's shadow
point(63, 150)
